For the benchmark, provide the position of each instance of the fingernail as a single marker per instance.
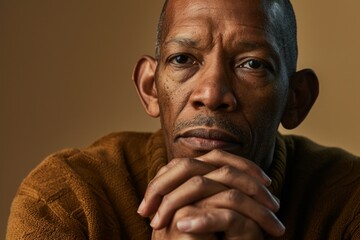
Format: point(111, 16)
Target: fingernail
point(155, 221)
point(267, 180)
point(184, 225)
point(281, 227)
point(141, 207)
point(275, 201)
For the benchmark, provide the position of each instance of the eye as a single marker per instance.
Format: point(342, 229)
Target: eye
point(182, 59)
point(253, 64)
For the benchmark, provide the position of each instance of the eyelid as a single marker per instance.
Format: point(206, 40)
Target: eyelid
point(266, 64)
point(174, 56)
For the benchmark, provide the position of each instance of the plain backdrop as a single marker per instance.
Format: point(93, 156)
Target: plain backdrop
point(65, 76)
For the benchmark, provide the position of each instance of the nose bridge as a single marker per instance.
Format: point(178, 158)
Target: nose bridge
point(214, 89)
point(215, 79)
point(216, 71)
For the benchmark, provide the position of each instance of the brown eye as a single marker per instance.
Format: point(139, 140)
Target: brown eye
point(253, 64)
point(182, 59)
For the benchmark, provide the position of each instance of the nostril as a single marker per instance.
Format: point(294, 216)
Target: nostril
point(198, 104)
point(224, 106)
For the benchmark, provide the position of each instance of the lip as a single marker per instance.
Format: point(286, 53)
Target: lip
point(207, 139)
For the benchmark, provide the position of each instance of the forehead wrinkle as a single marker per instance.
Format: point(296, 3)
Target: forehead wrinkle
point(193, 35)
point(183, 41)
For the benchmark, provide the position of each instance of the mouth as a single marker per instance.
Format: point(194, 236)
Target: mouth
point(207, 139)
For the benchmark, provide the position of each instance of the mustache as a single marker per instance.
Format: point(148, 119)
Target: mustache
point(210, 121)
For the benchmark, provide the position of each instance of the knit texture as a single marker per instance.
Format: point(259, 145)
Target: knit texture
point(94, 193)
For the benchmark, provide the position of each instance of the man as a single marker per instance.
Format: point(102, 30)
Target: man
point(223, 79)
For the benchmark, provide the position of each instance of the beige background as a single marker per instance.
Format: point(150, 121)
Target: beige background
point(65, 76)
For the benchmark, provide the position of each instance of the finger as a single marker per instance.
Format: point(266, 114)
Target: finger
point(221, 158)
point(176, 175)
point(233, 178)
point(232, 224)
point(239, 202)
point(195, 189)
point(172, 232)
point(167, 167)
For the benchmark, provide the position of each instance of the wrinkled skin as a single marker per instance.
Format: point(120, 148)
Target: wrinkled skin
point(220, 75)
point(221, 89)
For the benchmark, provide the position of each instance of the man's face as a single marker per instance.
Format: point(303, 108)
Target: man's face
point(220, 80)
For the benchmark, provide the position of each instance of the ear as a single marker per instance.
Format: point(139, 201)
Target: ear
point(144, 79)
point(303, 92)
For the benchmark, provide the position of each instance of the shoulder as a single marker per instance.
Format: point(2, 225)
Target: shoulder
point(74, 186)
point(303, 151)
point(115, 156)
point(70, 164)
point(329, 165)
point(325, 182)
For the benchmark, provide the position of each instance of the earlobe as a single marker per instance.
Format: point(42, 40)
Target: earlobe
point(144, 80)
point(303, 92)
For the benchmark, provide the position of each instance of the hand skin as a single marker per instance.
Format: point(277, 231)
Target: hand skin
point(248, 229)
point(173, 232)
point(228, 192)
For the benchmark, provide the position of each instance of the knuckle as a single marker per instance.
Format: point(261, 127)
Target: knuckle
point(230, 217)
point(198, 181)
point(246, 166)
point(166, 203)
point(234, 195)
point(163, 168)
point(152, 187)
point(252, 167)
point(186, 163)
point(166, 200)
point(209, 216)
point(174, 161)
point(227, 171)
point(184, 212)
point(252, 188)
point(206, 220)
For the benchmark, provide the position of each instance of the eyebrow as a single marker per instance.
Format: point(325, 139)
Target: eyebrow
point(243, 46)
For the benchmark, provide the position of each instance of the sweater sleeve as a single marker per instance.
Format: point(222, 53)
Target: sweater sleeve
point(45, 206)
point(34, 218)
point(353, 228)
point(91, 193)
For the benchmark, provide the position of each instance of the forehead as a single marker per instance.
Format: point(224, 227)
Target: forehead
point(231, 10)
point(208, 19)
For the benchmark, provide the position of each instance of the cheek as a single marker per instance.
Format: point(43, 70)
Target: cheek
point(264, 108)
point(169, 101)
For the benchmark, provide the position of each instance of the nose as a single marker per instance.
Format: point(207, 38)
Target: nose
point(214, 90)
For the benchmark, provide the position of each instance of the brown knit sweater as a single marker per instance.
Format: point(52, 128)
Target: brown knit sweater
point(94, 193)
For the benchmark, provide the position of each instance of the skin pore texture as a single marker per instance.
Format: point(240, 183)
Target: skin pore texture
point(222, 81)
point(207, 88)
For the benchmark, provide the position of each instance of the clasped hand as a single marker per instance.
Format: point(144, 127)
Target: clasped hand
point(215, 196)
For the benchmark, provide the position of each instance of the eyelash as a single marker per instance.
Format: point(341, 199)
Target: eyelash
point(262, 64)
point(172, 59)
